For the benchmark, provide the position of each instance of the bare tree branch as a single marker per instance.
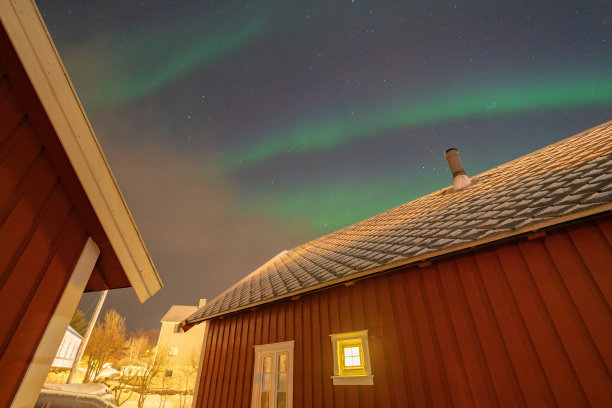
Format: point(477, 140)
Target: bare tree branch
point(107, 342)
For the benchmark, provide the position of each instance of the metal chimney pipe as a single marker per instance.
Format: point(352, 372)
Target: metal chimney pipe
point(460, 179)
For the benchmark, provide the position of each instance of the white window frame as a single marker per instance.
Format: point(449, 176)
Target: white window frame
point(337, 378)
point(272, 349)
point(170, 351)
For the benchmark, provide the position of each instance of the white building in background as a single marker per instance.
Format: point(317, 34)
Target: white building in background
point(68, 349)
point(183, 348)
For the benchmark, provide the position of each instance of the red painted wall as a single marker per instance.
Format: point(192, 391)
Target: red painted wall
point(41, 237)
point(522, 323)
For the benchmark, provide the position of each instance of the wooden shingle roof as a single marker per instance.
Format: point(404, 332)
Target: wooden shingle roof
point(565, 181)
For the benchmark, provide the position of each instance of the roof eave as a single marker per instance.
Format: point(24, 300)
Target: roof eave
point(42, 63)
point(417, 259)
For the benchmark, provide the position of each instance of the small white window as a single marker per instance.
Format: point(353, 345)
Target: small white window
point(273, 376)
point(173, 350)
point(351, 359)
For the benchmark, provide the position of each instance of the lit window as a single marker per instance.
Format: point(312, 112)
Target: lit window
point(273, 376)
point(173, 351)
point(352, 356)
point(351, 359)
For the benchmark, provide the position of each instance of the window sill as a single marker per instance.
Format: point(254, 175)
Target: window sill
point(353, 380)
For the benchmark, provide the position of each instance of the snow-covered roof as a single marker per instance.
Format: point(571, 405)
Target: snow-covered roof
point(178, 313)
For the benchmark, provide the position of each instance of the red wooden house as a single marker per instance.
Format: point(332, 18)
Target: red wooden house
point(64, 226)
point(495, 292)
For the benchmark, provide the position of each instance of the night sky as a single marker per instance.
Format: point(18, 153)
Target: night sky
point(238, 129)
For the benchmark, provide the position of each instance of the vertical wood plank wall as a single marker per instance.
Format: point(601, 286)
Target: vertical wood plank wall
point(523, 323)
point(41, 237)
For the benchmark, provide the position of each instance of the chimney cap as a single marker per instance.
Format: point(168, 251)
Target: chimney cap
point(460, 179)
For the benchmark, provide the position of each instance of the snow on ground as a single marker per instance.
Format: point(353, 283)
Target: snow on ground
point(153, 401)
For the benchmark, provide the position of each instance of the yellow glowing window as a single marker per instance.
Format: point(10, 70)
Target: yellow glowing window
point(350, 357)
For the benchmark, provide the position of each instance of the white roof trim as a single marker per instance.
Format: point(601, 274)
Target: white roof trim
point(36, 50)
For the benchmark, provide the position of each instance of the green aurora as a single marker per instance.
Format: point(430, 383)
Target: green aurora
point(141, 61)
point(147, 61)
point(124, 89)
point(334, 206)
point(590, 90)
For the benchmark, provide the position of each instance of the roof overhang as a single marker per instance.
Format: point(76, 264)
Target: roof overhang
point(177, 313)
point(41, 62)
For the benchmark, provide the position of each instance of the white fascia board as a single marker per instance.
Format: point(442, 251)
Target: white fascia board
point(42, 63)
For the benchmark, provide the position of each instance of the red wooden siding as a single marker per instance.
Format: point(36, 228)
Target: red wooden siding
point(523, 323)
point(18, 100)
point(41, 237)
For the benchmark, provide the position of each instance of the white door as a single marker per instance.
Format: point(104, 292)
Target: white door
point(273, 376)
